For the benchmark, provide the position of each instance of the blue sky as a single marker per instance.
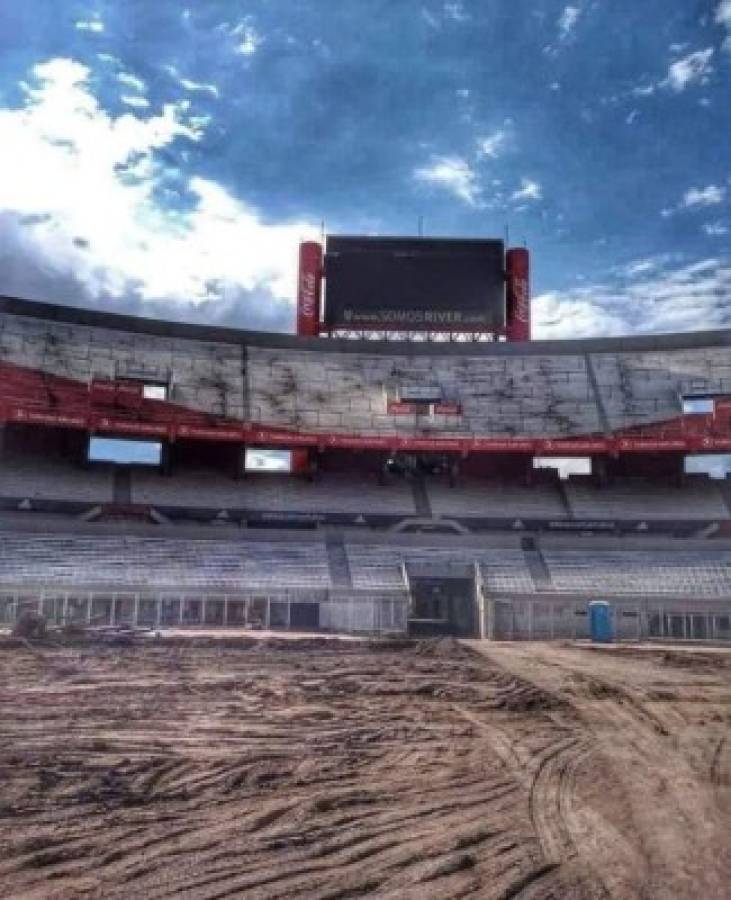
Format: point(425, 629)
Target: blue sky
point(165, 160)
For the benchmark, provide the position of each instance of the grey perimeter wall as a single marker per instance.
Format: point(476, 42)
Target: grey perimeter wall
point(538, 389)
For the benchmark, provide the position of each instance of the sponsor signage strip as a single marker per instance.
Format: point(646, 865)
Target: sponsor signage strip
point(275, 437)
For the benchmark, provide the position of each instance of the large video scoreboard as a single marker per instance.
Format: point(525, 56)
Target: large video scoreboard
point(413, 284)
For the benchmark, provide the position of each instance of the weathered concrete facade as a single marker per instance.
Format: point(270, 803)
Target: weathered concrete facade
point(539, 390)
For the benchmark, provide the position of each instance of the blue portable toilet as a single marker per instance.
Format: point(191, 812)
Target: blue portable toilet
point(600, 622)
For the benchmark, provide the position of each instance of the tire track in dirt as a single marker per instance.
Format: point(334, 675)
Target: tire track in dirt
point(258, 770)
point(320, 772)
point(646, 723)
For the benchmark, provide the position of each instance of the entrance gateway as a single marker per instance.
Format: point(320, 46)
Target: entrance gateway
point(443, 601)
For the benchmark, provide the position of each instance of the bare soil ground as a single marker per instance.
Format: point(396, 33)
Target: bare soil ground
point(269, 768)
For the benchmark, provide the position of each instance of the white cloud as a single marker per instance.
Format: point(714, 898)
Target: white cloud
point(199, 86)
point(137, 102)
point(529, 190)
point(189, 85)
point(454, 10)
point(85, 190)
point(723, 17)
point(493, 144)
point(578, 313)
point(95, 25)
point(640, 267)
point(643, 90)
point(660, 299)
point(692, 69)
point(632, 117)
point(567, 20)
point(430, 19)
point(715, 229)
point(723, 14)
point(132, 81)
point(248, 38)
point(708, 196)
point(453, 173)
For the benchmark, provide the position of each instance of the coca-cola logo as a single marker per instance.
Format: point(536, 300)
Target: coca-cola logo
point(308, 293)
point(520, 293)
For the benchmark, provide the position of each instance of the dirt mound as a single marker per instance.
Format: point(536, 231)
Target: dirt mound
point(524, 697)
point(692, 659)
point(442, 648)
point(30, 625)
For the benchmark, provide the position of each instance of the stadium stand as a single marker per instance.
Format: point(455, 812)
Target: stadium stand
point(126, 561)
point(192, 580)
point(638, 498)
point(482, 497)
point(206, 394)
point(40, 476)
point(379, 566)
point(691, 574)
point(332, 492)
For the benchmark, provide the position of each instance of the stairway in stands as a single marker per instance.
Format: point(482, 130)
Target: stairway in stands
point(337, 559)
point(538, 569)
point(725, 489)
point(421, 498)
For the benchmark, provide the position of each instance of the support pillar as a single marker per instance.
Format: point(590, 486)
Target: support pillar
point(166, 463)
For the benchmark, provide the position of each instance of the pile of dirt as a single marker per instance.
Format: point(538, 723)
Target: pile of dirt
point(442, 648)
point(527, 698)
point(31, 626)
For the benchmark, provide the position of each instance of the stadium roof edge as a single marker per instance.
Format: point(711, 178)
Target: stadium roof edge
point(72, 315)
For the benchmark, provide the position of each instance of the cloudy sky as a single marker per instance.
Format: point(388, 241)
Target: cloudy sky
point(166, 159)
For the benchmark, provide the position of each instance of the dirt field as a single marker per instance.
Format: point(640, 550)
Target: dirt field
point(275, 768)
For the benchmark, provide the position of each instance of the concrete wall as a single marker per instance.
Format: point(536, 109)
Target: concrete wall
point(554, 389)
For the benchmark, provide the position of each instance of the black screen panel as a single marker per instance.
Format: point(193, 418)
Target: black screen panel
point(414, 284)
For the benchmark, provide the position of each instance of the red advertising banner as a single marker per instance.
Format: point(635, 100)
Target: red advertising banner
point(359, 442)
point(448, 409)
point(130, 426)
point(268, 438)
point(714, 443)
point(43, 417)
point(277, 437)
point(402, 408)
point(500, 445)
point(572, 445)
point(196, 432)
point(406, 408)
point(651, 445)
